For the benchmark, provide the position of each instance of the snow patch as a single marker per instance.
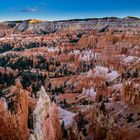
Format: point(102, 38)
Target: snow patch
point(112, 76)
point(101, 70)
point(66, 116)
point(129, 59)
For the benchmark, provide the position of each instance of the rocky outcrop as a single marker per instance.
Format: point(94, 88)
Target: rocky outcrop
point(14, 125)
point(130, 93)
point(46, 120)
point(90, 70)
point(52, 125)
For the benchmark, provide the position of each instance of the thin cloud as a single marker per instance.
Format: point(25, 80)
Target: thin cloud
point(43, 4)
point(32, 10)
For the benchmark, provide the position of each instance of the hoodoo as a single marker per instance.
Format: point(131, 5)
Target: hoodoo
point(70, 80)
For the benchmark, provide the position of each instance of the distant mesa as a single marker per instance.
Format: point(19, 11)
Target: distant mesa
point(46, 27)
point(82, 19)
point(33, 21)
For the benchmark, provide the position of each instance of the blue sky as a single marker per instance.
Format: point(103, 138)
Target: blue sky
point(67, 9)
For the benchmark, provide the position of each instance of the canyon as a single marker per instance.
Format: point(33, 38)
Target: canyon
point(70, 80)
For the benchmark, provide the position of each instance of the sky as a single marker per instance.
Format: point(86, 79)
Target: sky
point(66, 9)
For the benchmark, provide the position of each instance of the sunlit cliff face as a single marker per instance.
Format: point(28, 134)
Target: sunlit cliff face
point(77, 80)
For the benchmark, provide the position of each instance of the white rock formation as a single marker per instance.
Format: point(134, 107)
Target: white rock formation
point(42, 109)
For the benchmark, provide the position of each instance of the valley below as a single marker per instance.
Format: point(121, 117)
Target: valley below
point(70, 80)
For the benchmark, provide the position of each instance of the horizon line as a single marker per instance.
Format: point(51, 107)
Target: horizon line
point(64, 19)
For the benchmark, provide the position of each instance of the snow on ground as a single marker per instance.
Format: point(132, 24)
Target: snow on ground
point(101, 69)
point(118, 106)
point(86, 93)
point(116, 87)
point(76, 52)
point(91, 93)
point(52, 49)
point(104, 70)
point(66, 116)
point(87, 55)
point(85, 108)
point(129, 59)
point(112, 76)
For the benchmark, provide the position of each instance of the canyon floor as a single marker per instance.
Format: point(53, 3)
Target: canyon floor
point(75, 83)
